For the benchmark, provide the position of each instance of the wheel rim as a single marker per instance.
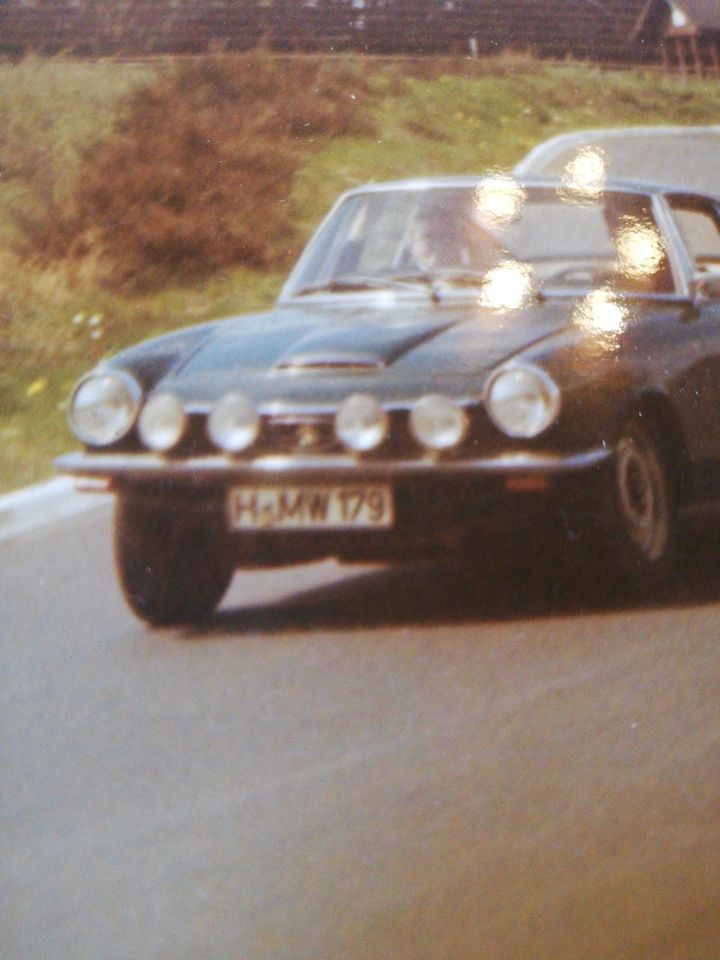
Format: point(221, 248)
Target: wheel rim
point(643, 498)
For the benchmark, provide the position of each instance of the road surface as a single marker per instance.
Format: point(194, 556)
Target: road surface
point(429, 762)
point(418, 763)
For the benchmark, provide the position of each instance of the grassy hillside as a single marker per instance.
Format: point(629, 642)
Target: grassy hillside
point(59, 312)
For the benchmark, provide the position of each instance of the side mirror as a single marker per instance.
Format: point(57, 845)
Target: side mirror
point(706, 286)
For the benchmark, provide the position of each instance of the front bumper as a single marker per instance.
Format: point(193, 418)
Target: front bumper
point(132, 468)
point(440, 505)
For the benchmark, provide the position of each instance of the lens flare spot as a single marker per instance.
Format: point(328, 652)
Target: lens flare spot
point(639, 249)
point(584, 176)
point(508, 286)
point(600, 312)
point(499, 200)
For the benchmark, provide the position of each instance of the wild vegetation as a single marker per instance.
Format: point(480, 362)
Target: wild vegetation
point(198, 173)
point(136, 199)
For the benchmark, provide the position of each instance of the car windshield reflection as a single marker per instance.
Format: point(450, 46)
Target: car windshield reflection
point(458, 237)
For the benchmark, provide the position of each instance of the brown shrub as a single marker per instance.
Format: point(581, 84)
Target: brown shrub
point(198, 172)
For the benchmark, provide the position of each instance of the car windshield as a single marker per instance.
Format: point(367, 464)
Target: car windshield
point(462, 235)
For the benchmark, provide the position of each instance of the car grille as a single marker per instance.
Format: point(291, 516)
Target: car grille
point(299, 435)
point(289, 434)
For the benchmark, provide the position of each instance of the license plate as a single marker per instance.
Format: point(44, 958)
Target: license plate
point(310, 507)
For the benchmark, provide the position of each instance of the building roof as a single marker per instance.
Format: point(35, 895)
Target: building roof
point(694, 15)
point(704, 14)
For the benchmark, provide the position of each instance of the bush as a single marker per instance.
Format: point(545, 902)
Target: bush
point(51, 111)
point(198, 172)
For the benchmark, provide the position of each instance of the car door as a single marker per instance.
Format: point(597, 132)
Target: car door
point(698, 223)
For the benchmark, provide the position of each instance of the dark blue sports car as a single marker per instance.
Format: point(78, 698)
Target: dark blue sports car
point(448, 355)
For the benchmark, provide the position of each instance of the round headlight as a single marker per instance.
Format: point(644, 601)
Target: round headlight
point(361, 423)
point(104, 406)
point(233, 424)
point(522, 401)
point(437, 422)
point(162, 422)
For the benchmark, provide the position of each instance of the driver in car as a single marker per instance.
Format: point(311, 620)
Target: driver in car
point(447, 237)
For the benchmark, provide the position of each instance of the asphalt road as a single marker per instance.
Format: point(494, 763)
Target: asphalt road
point(375, 764)
point(432, 762)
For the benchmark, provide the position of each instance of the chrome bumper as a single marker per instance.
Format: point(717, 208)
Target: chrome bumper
point(138, 467)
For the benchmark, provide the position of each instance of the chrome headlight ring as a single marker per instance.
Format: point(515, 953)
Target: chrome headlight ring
point(438, 422)
point(233, 424)
point(361, 422)
point(162, 422)
point(522, 400)
point(104, 406)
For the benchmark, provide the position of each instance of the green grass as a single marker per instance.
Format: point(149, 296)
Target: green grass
point(483, 115)
point(489, 115)
point(67, 329)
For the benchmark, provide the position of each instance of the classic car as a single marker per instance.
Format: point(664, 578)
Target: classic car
point(450, 357)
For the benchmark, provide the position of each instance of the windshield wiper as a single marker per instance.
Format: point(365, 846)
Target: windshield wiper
point(405, 281)
point(358, 283)
point(449, 274)
point(434, 279)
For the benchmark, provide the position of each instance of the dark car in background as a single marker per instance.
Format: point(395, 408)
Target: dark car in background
point(449, 356)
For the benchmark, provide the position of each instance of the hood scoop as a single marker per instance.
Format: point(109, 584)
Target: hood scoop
point(369, 346)
point(331, 361)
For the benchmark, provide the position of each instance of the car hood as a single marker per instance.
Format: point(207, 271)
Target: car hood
point(315, 354)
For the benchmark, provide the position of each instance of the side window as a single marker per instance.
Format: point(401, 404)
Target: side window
point(700, 229)
point(643, 263)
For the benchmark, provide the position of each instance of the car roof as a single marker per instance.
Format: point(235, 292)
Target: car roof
point(684, 156)
point(548, 183)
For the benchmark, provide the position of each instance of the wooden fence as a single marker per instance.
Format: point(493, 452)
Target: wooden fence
point(588, 29)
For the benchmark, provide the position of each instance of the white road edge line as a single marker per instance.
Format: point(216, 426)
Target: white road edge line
point(43, 504)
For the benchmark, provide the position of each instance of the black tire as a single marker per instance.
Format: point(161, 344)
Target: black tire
point(172, 569)
point(642, 505)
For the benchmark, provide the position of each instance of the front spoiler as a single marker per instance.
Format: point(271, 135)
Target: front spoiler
point(218, 469)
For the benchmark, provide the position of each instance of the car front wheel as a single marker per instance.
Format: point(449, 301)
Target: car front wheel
point(172, 569)
point(642, 504)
